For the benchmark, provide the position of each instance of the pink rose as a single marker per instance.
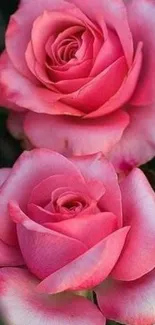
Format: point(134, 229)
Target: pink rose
point(91, 67)
point(71, 225)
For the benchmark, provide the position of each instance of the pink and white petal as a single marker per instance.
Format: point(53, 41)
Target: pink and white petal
point(125, 91)
point(75, 136)
point(21, 91)
point(137, 144)
point(4, 174)
point(138, 200)
point(90, 268)
point(4, 101)
point(9, 255)
point(89, 229)
point(97, 167)
point(23, 94)
point(128, 302)
point(115, 15)
point(20, 301)
point(44, 250)
point(29, 170)
point(142, 23)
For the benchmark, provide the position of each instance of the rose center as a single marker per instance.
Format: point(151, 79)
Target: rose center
point(70, 203)
point(61, 52)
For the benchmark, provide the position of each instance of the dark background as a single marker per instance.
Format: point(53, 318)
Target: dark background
point(9, 147)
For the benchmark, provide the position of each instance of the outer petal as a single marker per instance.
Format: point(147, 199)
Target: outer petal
point(142, 23)
point(75, 136)
point(129, 302)
point(29, 170)
point(13, 84)
point(99, 168)
point(20, 303)
point(10, 256)
point(138, 256)
point(4, 174)
point(4, 100)
point(89, 269)
point(24, 93)
point(137, 144)
point(44, 250)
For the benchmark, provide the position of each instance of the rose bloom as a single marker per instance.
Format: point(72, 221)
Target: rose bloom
point(89, 68)
point(68, 226)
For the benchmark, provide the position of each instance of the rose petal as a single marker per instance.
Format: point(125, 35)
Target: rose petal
point(4, 174)
point(71, 86)
point(90, 229)
point(141, 19)
point(138, 200)
point(9, 255)
point(39, 214)
point(29, 170)
point(19, 30)
point(50, 23)
point(43, 215)
point(23, 93)
point(99, 168)
point(37, 69)
point(109, 53)
point(73, 73)
point(128, 302)
point(89, 269)
point(115, 15)
point(126, 90)
point(137, 144)
point(42, 192)
point(44, 250)
point(58, 87)
point(100, 89)
point(4, 100)
point(75, 136)
point(19, 302)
